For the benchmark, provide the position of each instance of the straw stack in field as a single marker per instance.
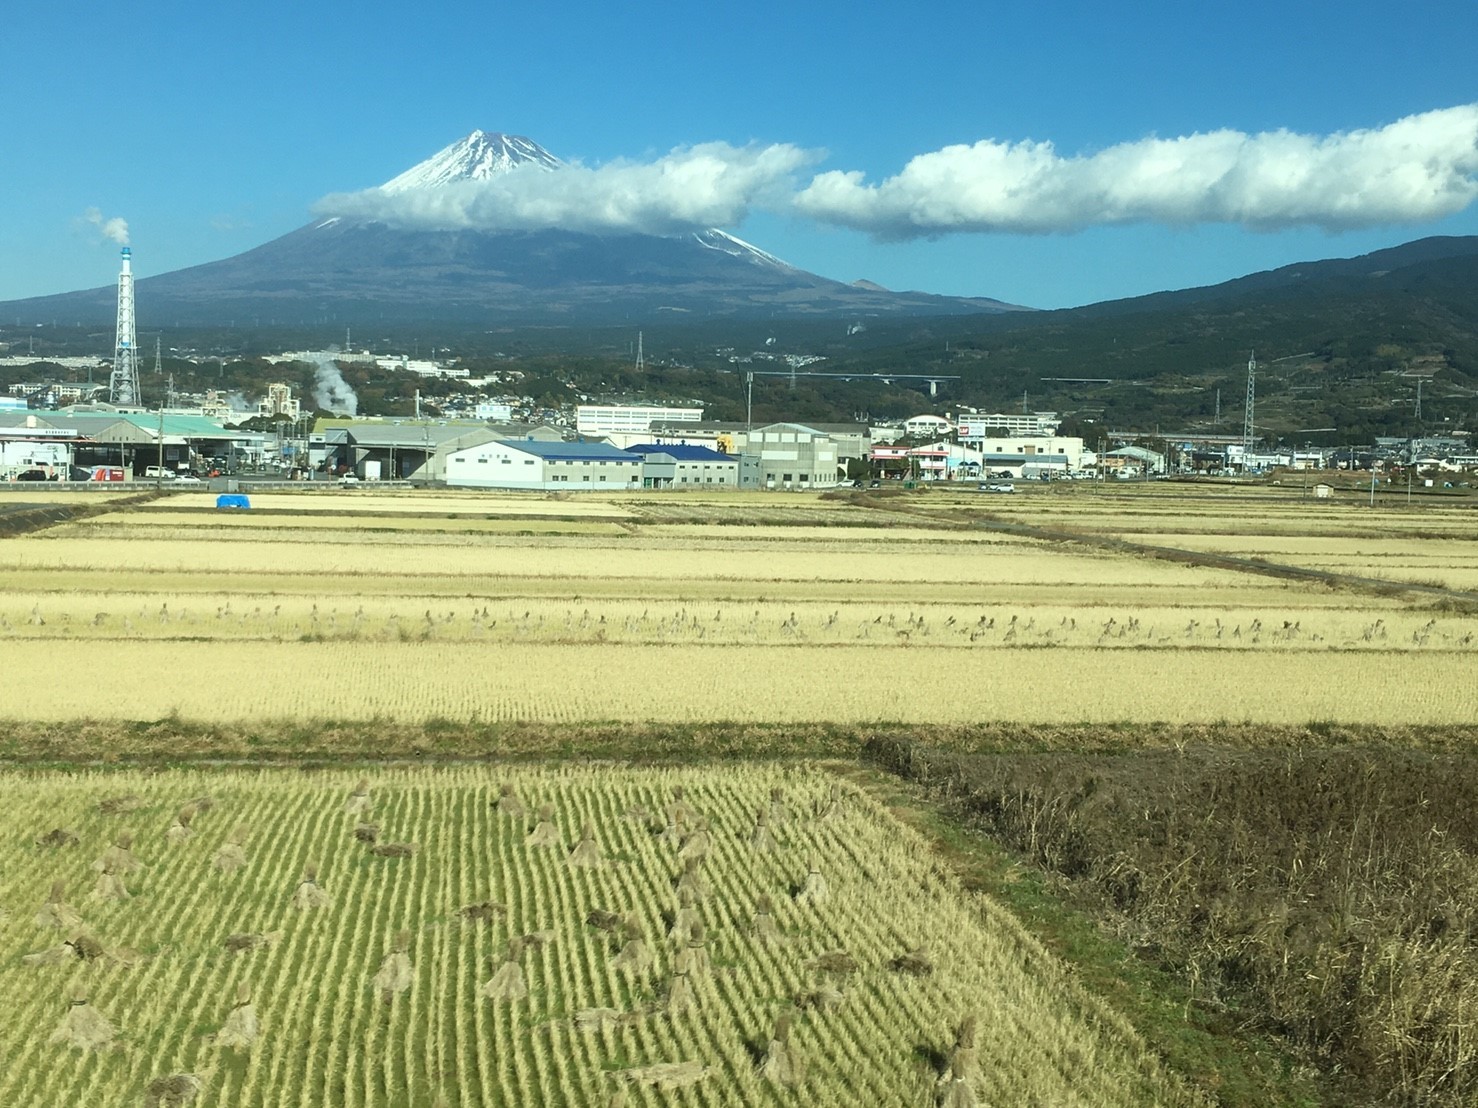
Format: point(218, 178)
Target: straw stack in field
point(763, 923)
point(508, 804)
point(175, 1090)
point(395, 974)
point(240, 1030)
point(634, 956)
point(56, 912)
point(544, 832)
point(781, 1063)
point(760, 838)
point(587, 854)
point(308, 894)
point(180, 827)
point(119, 858)
point(83, 1027)
point(109, 886)
point(232, 854)
point(814, 889)
point(507, 982)
point(779, 812)
point(684, 918)
point(359, 800)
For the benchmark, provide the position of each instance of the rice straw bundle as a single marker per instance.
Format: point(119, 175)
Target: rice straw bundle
point(177, 1090)
point(508, 804)
point(56, 912)
point(916, 963)
point(508, 983)
point(484, 911)
point(957, 1090)
point(781, 1062)
point(691, 879)
point(110, 886)
point(119, 858)
point(359, 799)
point(697, 843)
point(308, 895)
point(240, 1030)
point(634, 956)
point(678, 810)
point(698, 949)
point(823, 996)
point(831, 807)
point(834, 963)
point(684, 918)
point(667, 1075)
point(366, 832)
point(394, 850)
point(544, 832)
point(118, 805)
point(587, 854)
point(814, 890)
point(242, 941)
point(57, 836)
point(779, 813)
point(760, 838)
point(680, 995)
point(83, 1027)
point(395, 975)
point(232, 855)
point(180, 830)
point(764, 920)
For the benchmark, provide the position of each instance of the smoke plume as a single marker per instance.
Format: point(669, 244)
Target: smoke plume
point(330, 391)
point(115, 228)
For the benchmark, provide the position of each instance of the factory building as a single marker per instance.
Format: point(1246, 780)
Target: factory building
point(686, 467)
point(794, 456)
point(527, 464)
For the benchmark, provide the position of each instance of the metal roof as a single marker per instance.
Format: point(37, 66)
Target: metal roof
point(683, 453)
point(570, 451)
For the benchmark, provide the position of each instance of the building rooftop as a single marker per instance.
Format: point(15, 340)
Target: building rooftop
point(682, 453)
point(571, 451)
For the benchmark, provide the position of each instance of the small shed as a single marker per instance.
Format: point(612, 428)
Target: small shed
point(1323, 491)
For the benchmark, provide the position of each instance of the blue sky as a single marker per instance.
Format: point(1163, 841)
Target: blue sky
point(213, 128)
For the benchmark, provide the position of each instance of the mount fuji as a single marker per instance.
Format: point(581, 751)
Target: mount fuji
point(363, 270)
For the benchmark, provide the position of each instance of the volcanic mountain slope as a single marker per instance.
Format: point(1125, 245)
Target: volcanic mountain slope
point(358, 270)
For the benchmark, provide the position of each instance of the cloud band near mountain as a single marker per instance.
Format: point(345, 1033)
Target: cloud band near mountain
point(711, 185)
point(1417, 169)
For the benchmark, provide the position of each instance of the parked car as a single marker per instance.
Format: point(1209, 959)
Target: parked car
point(187, 479)
point(998, 487)
point(348, 479)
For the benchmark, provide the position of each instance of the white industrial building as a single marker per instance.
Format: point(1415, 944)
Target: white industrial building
point(527, 464)
point(621, 419)
point(974, 428)
point(794, 456)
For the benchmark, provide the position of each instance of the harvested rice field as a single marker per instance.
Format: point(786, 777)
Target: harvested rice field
point(747, 608)
point(466, 936)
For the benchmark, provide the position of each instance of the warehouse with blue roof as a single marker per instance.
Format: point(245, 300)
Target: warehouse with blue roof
point(529, 464)
point(686, 467)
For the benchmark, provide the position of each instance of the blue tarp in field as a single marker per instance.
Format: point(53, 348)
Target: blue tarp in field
point(232, 500)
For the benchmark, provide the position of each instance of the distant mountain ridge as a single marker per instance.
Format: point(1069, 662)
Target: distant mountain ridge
point(363, 271)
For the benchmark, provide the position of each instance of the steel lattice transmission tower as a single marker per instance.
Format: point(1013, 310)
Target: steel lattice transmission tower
point(1249, 433)
point(123, 384)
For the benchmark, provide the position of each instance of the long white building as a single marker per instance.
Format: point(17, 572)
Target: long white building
point(621, 419)
point(527, 464)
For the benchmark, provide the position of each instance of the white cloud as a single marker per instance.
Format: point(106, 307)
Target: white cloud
point(710, 185)
point(114, 228)
point(1419, 168)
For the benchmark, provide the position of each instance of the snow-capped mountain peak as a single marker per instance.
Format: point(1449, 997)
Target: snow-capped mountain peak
point(479, 156)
